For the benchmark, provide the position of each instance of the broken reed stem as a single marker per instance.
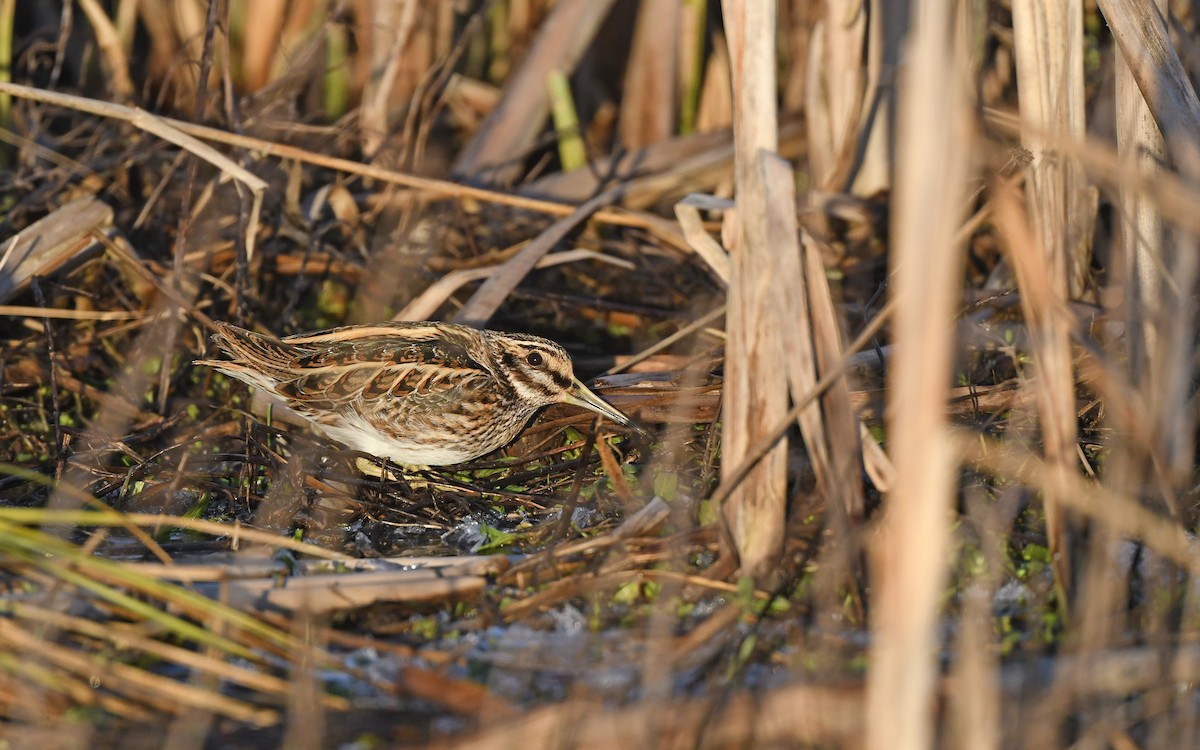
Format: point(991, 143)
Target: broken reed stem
point(755, 383)
point(760, 449)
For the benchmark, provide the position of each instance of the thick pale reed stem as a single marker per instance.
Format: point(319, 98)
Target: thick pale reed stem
point(910, 557)
point(755, 383)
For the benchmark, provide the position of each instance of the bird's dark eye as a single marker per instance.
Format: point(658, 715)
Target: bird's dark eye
point(534, 358)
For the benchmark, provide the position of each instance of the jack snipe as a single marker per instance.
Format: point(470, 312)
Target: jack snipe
point(419, 394)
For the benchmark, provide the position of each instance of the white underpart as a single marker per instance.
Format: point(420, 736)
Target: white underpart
point(359, 434)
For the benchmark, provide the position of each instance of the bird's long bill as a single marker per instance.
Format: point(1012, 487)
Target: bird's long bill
point(579, 395)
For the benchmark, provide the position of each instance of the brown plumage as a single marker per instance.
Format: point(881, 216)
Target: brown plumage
point(419, 394)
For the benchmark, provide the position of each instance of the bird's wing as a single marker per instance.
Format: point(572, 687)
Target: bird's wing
point(378, 369)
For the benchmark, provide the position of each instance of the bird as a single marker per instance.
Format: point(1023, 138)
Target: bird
point(419, 394)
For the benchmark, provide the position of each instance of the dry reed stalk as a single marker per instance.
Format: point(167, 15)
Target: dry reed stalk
point(1141, 146)
point(715, 109)
point(1050, 322)
point(695, 163)
point(427, 303)
point(797, 716)
point(463, 696)
point(648, 109)
point(811, 347)
point(850, 126)
point(1159, 281)
point(1141, 34)
point(234, 566)
point(791, 303)
point(841, 422)
point(164, 44)
point(305, 714)
point(516, 122)
point(909, 559)
point(90, 518)
point(156, 691)
point(716, 257)
point(260, 40)
point(1105, 580)
point(795, 41)
point(24, 311)
point(187, 24)
point(492, 293)
point(1142, 262)
point(41, 694)
point(835, 90)
point(885, 38)
point(109, 43)
point(327, 594)
point(55, 243)
point(390, 34)
point(755, 389)
point(1175, 196)
point(468, 100)
point(126, 23)
point(127, 637)
point(1049, 57)
point(763, 446)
